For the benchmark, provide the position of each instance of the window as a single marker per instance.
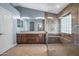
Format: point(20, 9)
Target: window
point(66, 24)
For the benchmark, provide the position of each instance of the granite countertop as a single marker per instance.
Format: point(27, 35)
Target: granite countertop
point(33, 32)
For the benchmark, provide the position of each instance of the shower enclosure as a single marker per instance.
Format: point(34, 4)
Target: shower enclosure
point(62, 31)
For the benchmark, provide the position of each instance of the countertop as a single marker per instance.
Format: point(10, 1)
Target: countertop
point(33, 32)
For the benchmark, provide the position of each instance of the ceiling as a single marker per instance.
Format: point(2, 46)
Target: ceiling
point(47, 7)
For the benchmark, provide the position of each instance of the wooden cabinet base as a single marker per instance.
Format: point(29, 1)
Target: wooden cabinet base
point(31, 38)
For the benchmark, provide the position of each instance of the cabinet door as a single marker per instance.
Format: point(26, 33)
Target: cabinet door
point(19, 38)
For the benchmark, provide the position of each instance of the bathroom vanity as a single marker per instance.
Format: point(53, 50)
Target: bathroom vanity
point(31, 37)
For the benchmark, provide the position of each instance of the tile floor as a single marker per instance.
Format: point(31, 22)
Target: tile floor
point(43, 50)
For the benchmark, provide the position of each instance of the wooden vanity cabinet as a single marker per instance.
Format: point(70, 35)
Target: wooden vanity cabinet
point(31, 38)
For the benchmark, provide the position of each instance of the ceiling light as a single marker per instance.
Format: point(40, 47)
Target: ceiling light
point(58, 6)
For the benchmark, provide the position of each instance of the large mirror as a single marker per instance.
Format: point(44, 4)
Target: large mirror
point(34, 24)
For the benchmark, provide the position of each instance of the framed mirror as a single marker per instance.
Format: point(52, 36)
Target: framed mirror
point(19, 23)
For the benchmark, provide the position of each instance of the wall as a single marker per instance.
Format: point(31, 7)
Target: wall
point(10, 8)
point(26, 12)
point(29, 12)
point(14, 14)
point(73, 9)
point(36, 22)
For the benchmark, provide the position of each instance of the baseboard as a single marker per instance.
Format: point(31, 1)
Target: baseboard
point(14, 45)
point(8, 48)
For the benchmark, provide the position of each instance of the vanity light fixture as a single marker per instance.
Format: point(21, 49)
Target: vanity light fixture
point(25, 17)
point(39, 17)
point(16, 17)
point(40, 25)
point(50, 17)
